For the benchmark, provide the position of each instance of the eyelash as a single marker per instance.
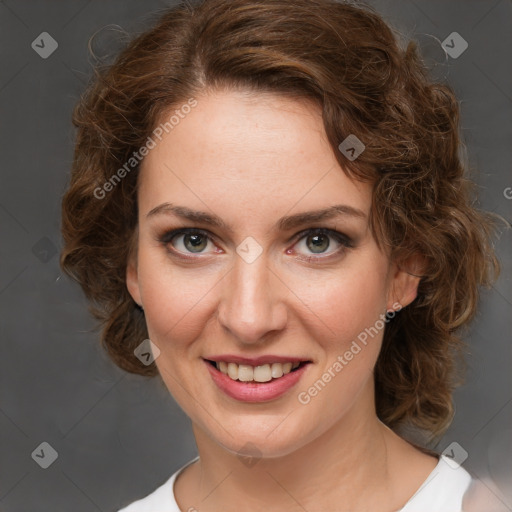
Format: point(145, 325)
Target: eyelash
point(345, 242)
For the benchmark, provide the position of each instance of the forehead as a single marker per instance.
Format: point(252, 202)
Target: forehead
point(247, 151)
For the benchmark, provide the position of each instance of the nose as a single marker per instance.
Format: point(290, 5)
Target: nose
point(251, 306)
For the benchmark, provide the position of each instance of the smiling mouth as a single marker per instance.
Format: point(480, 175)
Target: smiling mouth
point(262, 373)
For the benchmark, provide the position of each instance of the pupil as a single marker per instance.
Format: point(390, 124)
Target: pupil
point(195, 241)
point(320, 243)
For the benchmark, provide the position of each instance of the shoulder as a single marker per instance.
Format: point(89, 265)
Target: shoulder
point(484, 496)
point(160, 499)
point(443, 490)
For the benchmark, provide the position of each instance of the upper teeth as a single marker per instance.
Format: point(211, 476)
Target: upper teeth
point(248, 373)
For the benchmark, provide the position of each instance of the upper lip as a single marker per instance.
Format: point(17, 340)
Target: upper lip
point(255, 361)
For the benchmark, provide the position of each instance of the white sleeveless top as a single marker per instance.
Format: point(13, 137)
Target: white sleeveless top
point(442, 491)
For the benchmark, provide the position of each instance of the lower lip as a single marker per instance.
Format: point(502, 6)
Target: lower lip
point(255, 391)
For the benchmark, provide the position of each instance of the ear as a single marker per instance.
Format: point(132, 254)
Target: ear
point(132, 274)
point(406, 276)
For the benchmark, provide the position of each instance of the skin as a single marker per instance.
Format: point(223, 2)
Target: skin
point(251, 159)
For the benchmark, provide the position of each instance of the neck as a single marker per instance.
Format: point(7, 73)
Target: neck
point(340, 464)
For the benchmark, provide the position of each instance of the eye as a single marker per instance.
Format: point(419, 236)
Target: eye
point(188, 241)
point(313, 244)
point(318, 241)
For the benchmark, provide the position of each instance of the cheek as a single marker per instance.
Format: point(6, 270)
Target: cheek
point(350, 332)
point(176, 301)
point(340, 304)
point(346, 301)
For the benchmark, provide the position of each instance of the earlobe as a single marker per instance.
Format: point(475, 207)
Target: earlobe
point(405, 282)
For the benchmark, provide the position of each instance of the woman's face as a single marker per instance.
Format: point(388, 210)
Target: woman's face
point(276, 264)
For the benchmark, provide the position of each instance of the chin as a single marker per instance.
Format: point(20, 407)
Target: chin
point(251, 439)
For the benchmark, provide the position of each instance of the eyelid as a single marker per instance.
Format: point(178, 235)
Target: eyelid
point(168, 235)
point(338, 236)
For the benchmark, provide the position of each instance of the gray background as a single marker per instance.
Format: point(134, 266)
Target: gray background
point(118, 436)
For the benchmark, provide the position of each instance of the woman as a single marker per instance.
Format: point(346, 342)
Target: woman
point(272, 193)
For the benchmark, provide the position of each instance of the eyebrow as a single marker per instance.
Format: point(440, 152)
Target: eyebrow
point(283, 224)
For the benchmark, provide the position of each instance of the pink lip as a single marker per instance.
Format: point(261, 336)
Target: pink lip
point(255, 391)
point(255, 361)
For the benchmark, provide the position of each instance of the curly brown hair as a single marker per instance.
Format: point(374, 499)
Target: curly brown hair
point(366, 82)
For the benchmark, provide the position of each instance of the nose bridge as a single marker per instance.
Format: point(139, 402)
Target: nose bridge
point(251, 306)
